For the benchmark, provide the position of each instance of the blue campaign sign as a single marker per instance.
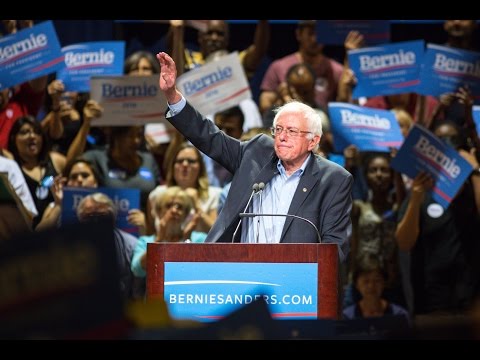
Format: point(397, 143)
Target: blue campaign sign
point(388, 69)
point(124, 199)
point(476, 117)
point(92, 58)
point(205, 291)
point(29, 54)
point(334, 32)
point(445, 69)
point(423, 151)
point(368, 129)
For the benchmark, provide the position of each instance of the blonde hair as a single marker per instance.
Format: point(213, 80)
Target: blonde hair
point(174, 192)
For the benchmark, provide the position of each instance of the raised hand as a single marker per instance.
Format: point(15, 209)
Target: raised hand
point(55, 90)
point(136, 217)
point(92, 109)
point(464, 96)
point(422, 182)
point(354, 40)
point(168, 72)
point(57, 188)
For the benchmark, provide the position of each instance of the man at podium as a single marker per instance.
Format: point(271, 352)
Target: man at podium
point(290, 194)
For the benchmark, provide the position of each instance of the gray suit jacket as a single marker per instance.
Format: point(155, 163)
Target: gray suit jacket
point(323, 195)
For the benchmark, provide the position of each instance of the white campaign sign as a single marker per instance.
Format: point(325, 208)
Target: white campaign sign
point(216, 86)
point(128, 100)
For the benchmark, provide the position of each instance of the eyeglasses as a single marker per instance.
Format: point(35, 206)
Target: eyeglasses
point(293, 132)
point(189, 161)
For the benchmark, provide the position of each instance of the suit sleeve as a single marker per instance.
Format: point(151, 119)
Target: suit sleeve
point(208, 138)
point(337, 224)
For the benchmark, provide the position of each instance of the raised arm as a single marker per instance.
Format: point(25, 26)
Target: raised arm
point(258, 49)
point(91, 110)
point(409, 227)
point(53, 123)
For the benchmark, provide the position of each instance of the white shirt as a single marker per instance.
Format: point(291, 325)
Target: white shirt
point(274, 199)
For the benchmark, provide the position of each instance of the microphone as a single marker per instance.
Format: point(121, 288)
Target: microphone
point(261, 186)
point(255, 188)
point(252, 215)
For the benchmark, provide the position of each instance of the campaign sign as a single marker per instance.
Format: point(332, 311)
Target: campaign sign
point(207, 291)
point(476, 117)
point(445, 69)
point(368, 129)
point(87, 59)
point(29, 54)
point(334, 32)
point(216, 86)
point(124, 200)
point(423, 151)
point(388, 69)
point(128, 100)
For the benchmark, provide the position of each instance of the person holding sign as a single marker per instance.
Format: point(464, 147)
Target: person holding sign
point(296, 181)
point(443, 243)
point(20, 100)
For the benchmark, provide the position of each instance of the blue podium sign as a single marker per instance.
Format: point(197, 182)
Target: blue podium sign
point(208, 291)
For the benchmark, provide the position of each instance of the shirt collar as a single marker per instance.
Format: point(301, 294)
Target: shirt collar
point(297, 172)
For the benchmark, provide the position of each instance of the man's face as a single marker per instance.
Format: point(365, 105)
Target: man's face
point(459, 28)
point(307, 40)
point(294, 142)
point(214, 38)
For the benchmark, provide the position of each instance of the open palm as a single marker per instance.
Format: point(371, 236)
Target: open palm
point(168, 71)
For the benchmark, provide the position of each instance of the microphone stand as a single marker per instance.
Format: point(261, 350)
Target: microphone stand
point(261, 186)
point(254, 191)
point(244, 214)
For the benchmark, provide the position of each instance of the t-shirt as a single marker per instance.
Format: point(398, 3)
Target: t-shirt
point(24, 102)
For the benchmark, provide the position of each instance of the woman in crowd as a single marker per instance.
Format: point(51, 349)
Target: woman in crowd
point(171, 209)
point(187, 170)
point(28, 144)
point(79, 173)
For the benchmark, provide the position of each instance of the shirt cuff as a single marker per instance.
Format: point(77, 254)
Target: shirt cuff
point(176, 108)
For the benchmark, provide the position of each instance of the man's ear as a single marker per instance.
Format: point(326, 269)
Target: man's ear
point(314, 142)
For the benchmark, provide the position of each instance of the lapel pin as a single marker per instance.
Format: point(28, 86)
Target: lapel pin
point(304, 189)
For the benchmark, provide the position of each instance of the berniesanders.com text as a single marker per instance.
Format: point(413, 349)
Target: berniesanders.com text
point(241, 299)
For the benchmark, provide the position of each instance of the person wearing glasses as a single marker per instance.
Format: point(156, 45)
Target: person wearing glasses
point(187, 170)
point(297, 182)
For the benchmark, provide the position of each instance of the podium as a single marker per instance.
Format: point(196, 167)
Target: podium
point(205, 281)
